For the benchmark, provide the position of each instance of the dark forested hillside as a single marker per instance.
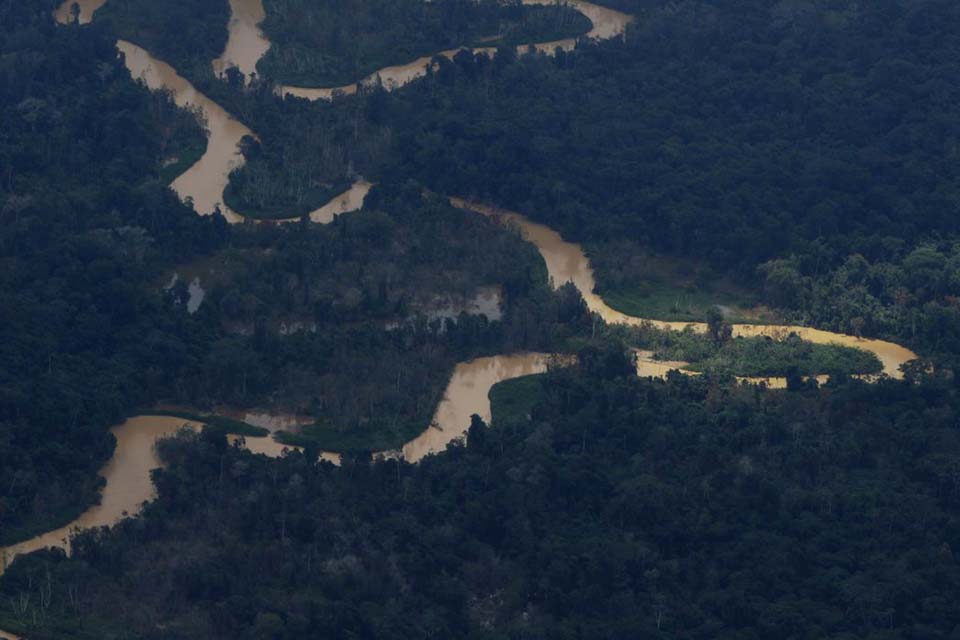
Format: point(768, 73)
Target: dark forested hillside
point(188, 35)
point(810, 148)
point(615, 508)
point(800, 155)
point(86, 220)
point(740, 131)
point(366, 360)
point(90, 233)
point(333, 42)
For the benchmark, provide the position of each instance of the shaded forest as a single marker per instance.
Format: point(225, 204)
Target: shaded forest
point(332, 42)
point(609, 507)
point(87, 222)
point(89, 335)
point(91, 234)
point(809, 149)
point(187, 35)
point(805, 149)
point(363, 357)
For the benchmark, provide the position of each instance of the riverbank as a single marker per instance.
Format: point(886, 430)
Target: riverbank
point(607, 23)
point(332, 44)
point(127, 483)
point(468, 390)
point(567, 262)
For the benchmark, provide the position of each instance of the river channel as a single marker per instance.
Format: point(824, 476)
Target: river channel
point(127, 474)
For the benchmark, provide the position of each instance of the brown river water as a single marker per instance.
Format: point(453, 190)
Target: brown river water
point(127, 474)
point(246, 43)
point(63, 14)
point(566, 262)
point(205, 181)
point(468, 394)
point(607, 23)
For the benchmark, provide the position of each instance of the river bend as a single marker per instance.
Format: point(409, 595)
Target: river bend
point(127, 474)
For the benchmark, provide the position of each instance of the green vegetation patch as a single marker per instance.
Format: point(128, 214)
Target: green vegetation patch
point(633, 281)
point(667, 301)
point(763, 356)
point(376, 435)
point(218, 423)
point(513, 400)
point(272, 200)
point(182, 160)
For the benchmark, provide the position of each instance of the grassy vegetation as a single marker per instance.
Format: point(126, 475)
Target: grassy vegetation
point(513, 400)
point(763, 357)
point(373, 436)
point(665, 288)
point(226, 425)
point(312, 199)
point(659, 300)
point(183, 160)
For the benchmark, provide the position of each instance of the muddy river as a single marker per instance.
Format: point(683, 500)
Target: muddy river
point(127, 474)
point(567, 262)
point(607, 23)
point(246, 43)
point(468, 394)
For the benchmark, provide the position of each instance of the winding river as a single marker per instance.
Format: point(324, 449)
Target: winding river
point(469, 393)
point(204, 182)
point(567, 262)
point(127, 474)
point(127, 477)
point(607, 23)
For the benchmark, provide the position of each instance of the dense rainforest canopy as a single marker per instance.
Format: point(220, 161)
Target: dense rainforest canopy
point(603, 507)
point(87, 221)
point(333, 42)
point(805, 151)
point(92, 235)
point(810, 155)
point(810, 147)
